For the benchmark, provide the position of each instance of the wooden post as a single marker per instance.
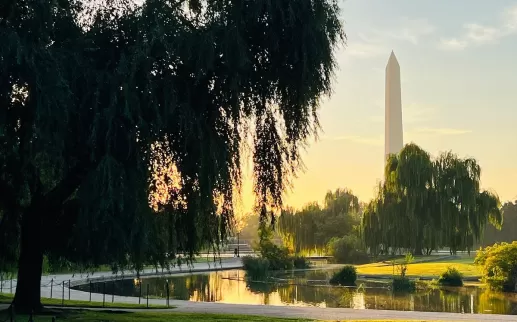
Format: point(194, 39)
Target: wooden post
point(167, 293)
point(147, 295)
point(140, 296)
point(51, 286)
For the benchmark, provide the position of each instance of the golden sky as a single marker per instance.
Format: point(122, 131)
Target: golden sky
point(459, 93)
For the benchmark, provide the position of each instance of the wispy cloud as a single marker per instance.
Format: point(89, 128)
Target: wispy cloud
point(364, 50)
point(375, 41)
point(441, 131)
point(356, 139)
point(411, 30)
point(476, 34)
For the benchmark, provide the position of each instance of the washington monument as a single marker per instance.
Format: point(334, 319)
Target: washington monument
point(393, 109)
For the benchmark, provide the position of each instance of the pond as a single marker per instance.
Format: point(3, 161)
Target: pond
point(310, 288)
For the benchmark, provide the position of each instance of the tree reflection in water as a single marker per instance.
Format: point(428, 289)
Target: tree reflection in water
point(310, 288)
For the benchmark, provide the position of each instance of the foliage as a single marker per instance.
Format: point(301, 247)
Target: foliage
point(425, 204)
point(255, 267)
point(345, 277)
point(347, 250)
point(499, 263)
point(403, 284)
point(507, 234)
point(107, 106)
point(300, 262)
point(312, 228)
point(277, 256)
point(402, 266)
point(451, 277)
point(271, 256)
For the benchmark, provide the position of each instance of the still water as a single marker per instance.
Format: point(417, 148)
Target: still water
point(310, 288)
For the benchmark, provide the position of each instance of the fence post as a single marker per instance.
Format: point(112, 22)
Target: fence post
point(167, 293)
point(140, 296)
point(69, 290)
point(13, 313)
point(63, 295)
point(147, 295)
point(113, 292)
point(11, 285)
point(90, 291)
point(103, 294)
point(51, 286)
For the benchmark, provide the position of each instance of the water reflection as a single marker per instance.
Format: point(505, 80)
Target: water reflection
point(309, 288)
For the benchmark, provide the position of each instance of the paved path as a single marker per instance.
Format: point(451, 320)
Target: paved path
point(264, 310)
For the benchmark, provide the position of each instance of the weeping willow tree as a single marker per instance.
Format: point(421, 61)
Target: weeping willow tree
point(426, 204)
point(96, 97)
point(311, 229)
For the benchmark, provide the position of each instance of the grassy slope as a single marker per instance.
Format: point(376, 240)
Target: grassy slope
point(465, 265)
point(7, 298)
point(159, 317)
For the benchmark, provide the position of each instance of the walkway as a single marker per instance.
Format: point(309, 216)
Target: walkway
point(335, 314)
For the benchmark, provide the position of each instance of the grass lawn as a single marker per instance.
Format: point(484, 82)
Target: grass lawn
point(464, 264)
point(7, 298)
point(84, 316)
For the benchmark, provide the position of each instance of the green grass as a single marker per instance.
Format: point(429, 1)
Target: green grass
point(85, 316)
point(7, 298)
point(464, 264)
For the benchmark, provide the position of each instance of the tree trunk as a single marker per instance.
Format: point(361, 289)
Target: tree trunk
point(28, 288)
point(419, 245)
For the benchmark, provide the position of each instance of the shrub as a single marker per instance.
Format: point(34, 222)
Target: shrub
point(255, 267)
point(499, 263)
point(300, 262)
point(277, 256)
point(451, 277)
point(346, 276)
point(347, 250)
point(403, 284)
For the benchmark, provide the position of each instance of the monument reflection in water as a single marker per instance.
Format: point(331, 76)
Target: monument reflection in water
point(307, 288)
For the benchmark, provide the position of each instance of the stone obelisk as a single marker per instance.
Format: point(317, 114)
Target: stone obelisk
point(393, 109)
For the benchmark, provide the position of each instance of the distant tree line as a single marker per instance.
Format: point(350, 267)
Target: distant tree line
point(508, 232)
point(331, 229)
point(426, 204)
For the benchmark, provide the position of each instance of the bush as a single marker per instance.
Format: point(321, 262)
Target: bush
point(347, 250)
point(346, 276)
point(277, 256)
point(300, 262)
point(403, 284)
point(499, 263)
point(255, 267)
point(451, 277)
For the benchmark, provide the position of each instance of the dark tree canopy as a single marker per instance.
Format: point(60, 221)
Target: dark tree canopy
point(425, 204)
point(508, 231)
point(94, 101)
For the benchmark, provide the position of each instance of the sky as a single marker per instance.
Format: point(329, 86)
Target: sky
point(459, 93)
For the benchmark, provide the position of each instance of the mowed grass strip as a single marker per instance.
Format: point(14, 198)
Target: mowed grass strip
point(90, 316)
point(7, 299)
point(464, 265)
